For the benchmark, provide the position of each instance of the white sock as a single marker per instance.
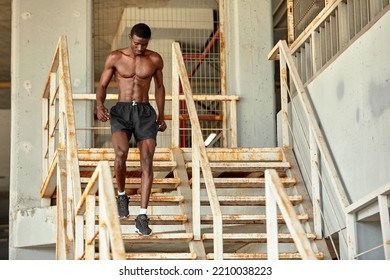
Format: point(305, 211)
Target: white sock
point(121, 193)
point(143, 211)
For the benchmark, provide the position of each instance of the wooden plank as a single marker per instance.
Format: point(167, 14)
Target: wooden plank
point(245, 166)
point(247, 182)
point(385, 223)
point(248, 219)
point(165, 183)
point(241, 200)
point(201, 150)
point(315, 23)
point(157, 238)
point(233, 125)
point(272, 225)
point(239, 154)
point(49, 185)
point(160, 256)
point(254, 237)
point(222, 56)
point(110, 214)
point(157, 219)
point(97, 154)
point(183, 189)
point(313, 124)
point(156, 199)
point(261, 256)
point(90, 189)
point(368, 199)
point(290, 22)
point(277, 191)
point(168, 97)
point(175, 102)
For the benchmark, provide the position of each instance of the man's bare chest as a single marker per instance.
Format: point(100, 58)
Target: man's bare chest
point(135, 68)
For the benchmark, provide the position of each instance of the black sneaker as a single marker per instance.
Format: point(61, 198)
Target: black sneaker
point(123, 206)
point(142, 225)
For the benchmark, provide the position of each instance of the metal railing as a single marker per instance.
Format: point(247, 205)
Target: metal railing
point(333, 30)
point(379, 199)
point(306, 135)
point(62, 174)
point(276, 196)
point(200, 160)
point(339, 24)
point(111, 244)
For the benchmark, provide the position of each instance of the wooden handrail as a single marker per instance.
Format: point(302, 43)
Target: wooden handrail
point(277, 195)
point(283, 50)
point(199, 155)
point(109, 231)
point(380, 197)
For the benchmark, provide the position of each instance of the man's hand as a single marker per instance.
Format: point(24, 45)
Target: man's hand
point(161, 125)
point(102, 113)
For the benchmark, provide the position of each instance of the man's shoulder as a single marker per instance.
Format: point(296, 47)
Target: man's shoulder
point(119, 53)
point(155, 57)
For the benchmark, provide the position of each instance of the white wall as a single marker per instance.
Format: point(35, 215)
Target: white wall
point(36, 28)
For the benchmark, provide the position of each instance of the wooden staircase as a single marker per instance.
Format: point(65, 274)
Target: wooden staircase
point(239, 178)
point(228, 221)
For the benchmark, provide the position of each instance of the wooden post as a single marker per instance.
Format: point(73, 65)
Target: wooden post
point(175, 101)
point(222, 50)
point(385, 223)
point(284, 102)
point(315, 185)
point(290, 21)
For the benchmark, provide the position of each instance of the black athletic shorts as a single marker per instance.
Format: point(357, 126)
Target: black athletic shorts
point(134, 118)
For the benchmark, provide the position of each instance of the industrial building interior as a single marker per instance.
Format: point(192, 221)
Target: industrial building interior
point(112, 10)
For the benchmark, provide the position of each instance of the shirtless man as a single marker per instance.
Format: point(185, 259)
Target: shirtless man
point(133, 68)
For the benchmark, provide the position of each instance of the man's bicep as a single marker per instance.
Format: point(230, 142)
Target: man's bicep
point(158, 78)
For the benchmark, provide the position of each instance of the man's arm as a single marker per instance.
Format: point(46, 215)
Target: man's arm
point(108, 71)
point(160, 94)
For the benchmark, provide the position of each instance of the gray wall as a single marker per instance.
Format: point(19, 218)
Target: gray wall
point(36, 28)
point(352, 100)
point(250, 75)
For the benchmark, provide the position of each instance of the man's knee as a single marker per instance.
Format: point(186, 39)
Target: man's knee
point(120, 155)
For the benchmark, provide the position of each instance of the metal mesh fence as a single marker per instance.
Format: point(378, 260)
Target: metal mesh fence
point(194, 24)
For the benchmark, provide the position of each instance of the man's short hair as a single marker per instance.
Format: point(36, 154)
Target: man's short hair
point(141, 30)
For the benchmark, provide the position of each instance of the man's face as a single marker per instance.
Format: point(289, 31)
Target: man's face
point(138, 45)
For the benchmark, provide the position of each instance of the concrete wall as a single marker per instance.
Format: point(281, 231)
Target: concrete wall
point(248, 31)
point(354, 93)
point(36, 28)
point(352, 100)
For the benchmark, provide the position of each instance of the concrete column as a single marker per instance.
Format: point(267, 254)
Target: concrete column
point(36, 28)
point(249, 39)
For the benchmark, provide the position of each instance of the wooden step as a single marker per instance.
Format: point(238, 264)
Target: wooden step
point(97, 154)
point(156, 199)
point(247, 219)
point(157, 238)
point(239, 154)
point(164, 183)
point(157, 219)
point(160, 256)
point(254, 237)
point(261, 256)
point(130, 165)
point(245, 166)
point(245, 182)
point(232, 200)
